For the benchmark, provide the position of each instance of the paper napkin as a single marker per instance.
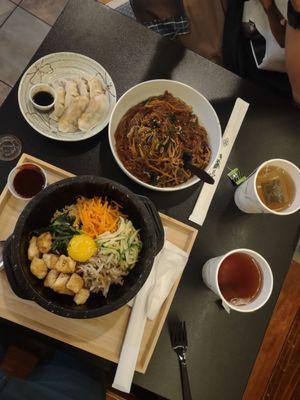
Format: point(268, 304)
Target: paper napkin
point(168, 266)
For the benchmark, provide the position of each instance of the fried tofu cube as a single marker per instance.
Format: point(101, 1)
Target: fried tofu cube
point(38, 268)
point(44, 242)
point(50, 260)
point(65, 265)
point(60, 285)
point(82, 296)
point(33, 250)
point(51, 278)
point(75, 283)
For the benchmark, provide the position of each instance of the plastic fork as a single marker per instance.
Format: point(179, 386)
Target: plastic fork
point(179, 344)
point(201, 173)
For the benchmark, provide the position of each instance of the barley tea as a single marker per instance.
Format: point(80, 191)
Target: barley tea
point(239, 279)
point(275, 188)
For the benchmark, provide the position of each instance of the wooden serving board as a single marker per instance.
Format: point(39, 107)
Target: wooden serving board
point(102, 336)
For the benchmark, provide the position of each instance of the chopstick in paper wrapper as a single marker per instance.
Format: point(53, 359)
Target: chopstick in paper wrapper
point(168, 266)
point(133, 338)
point(207, 193)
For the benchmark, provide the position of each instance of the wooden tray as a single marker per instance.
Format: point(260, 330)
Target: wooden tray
point(102, 336)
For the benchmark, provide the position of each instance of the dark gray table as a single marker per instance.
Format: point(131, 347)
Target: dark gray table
point(222, 348)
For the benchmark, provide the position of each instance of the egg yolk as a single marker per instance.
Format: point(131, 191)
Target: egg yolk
point(81, 248)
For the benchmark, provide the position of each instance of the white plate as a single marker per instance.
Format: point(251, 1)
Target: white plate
point(201, 107)
point(57, 66)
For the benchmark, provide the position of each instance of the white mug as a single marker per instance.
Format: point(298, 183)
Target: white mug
point(247, 198)
point(210, 277)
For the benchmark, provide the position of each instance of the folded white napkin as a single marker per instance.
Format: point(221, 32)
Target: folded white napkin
point(168, 266)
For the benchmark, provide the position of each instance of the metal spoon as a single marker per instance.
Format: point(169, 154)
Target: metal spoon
point(201, 173)
point(1, 254)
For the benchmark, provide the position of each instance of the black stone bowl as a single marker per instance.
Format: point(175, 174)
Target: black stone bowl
point(38, 213)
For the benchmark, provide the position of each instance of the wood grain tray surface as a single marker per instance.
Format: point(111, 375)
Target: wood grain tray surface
point(102, 336)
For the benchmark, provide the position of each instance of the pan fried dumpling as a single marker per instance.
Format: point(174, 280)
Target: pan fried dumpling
point(82, 87)
point(59, 105)
point(68, 123)
point(71, 92)
point(98, 106)
point(77, 103)
point(95, 86)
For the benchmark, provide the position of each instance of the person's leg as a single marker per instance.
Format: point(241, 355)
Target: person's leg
point(206, 24)
point(2, 350)
point(61, 378)
point(3, 378)
point(166, 17)
point(69, 377)
point(199, 27)
point(149, 10)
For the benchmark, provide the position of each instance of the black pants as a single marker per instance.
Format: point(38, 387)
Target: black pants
point(62, 378)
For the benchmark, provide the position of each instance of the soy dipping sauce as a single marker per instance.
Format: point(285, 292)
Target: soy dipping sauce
point(43, 98)
point(29, 181)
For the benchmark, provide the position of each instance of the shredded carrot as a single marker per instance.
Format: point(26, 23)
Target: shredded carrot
point(97, 215)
